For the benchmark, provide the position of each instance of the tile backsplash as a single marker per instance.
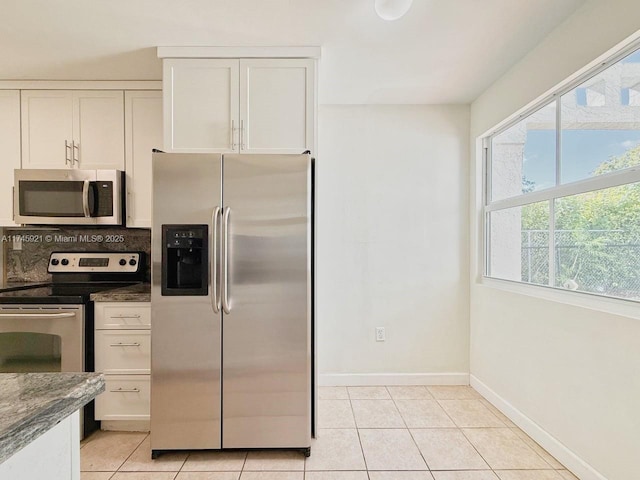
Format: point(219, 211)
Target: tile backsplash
point(26, 250)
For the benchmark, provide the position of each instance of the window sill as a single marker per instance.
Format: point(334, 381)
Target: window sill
point(615, 306)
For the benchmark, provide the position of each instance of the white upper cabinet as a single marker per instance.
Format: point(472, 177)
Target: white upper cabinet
point(201, 105)
point(72, 129)
point(47, 128)
point(98, 130)
point(264, 105)
point(143, 132)
point(10, 141)
point(277, 105)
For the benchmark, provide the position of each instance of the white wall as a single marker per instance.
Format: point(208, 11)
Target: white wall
point(393, 236)
point(572, 372)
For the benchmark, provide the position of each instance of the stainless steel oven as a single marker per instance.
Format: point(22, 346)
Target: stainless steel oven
point(49, 327)
point(42, 338)
point(68, 197)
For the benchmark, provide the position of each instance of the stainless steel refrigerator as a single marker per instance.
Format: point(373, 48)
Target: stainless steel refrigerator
point(231, 302)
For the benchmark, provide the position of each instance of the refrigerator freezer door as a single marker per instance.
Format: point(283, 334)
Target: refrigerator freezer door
point(267, 332)
point(185, 337)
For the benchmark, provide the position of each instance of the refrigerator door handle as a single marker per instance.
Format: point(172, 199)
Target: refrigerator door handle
point(225, 260)
point(215, 298)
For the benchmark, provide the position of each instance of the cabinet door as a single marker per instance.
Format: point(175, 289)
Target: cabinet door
point(10, 141)
point(277, 101)
point(98, 129)
point(126, 397)
point(200, 105)
point(47, 123)
point(143, 132)
point(123, 351)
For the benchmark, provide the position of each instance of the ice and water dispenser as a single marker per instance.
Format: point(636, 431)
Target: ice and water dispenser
point(185, 260)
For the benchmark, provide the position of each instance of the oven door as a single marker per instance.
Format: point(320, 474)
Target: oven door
point(68, 197)
point(42, 339)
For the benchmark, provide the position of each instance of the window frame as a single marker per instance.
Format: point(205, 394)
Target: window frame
point(550, 194)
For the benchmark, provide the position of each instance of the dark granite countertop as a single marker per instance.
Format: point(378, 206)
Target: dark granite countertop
point(11, 286)
point(33, 403)
point(140, 292)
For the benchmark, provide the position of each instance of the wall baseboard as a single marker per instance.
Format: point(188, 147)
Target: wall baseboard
point(370, 379)
point(125, 425)
point(564, 455)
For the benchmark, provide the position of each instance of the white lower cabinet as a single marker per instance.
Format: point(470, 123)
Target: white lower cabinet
point(126, 397)
point(123, 354)
point(54, 455)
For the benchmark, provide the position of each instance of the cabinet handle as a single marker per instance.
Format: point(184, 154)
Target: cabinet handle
point(67, 152)
point(129, 206)
point(125, 316)
point(241, 134)
point(120, 344)
point(125, 390)
point(233, 134)
point(76, 152)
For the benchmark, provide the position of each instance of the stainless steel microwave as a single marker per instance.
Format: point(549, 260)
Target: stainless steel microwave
point(68, 197)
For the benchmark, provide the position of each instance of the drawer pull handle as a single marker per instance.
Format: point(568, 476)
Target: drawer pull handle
point(125, 316)
point(120, 344)
point(126, 390)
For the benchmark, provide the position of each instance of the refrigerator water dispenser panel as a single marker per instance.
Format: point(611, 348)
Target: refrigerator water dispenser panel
point(185, 260)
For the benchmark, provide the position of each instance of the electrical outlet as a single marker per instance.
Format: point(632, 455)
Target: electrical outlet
point(380, 334)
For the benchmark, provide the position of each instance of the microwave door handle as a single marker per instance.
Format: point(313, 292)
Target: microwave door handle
point(85, 198)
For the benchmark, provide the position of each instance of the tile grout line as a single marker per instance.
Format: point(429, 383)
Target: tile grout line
point(185, 461)
point(244, 463)
point(132, 452)
point(467, 438)
point(505, 426)
point(410, 434)
point(364, 458)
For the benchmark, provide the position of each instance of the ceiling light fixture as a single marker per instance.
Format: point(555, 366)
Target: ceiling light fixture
point(392, 9)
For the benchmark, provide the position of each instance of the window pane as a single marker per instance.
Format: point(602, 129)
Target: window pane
point(598, 242)
point(601, 123)
point(519, 239)
point(523, 156)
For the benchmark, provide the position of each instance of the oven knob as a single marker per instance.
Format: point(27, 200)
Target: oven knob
point(132, 262)
point(122, 262)
point(65, 261)
point(55, 261)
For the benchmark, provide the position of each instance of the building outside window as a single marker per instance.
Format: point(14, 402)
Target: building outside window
point(562, 202)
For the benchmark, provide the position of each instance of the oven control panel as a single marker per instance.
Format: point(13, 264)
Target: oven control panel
point(84, 262)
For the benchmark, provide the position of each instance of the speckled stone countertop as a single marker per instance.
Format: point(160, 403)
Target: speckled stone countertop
point(140, 292)
point(33, 403)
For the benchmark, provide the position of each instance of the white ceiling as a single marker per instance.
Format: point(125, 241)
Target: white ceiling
point(442, 51)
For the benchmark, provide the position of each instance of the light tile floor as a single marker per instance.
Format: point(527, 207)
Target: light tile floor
point(364, 433)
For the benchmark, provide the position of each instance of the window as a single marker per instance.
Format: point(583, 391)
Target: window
point(563, 188)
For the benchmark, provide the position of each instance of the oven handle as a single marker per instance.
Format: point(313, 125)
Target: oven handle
point(38, 315)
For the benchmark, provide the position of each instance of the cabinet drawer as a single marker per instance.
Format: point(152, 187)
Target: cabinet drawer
point(109, 315)
point(123, 351)
point(126, 397)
